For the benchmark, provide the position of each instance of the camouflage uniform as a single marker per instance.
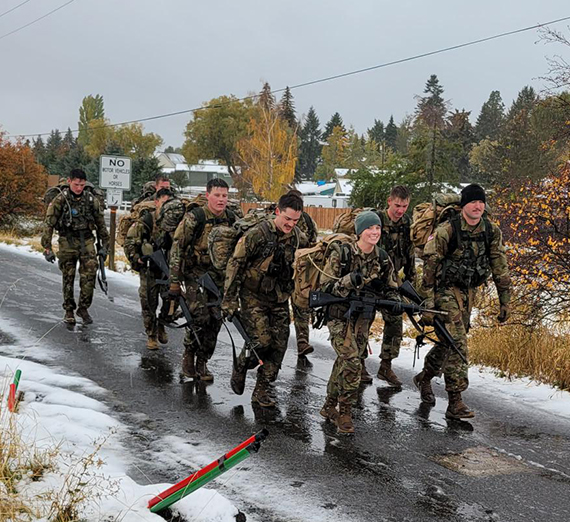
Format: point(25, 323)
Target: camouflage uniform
point(260, 273)
point(189, 260)
point(155, 232)
point(349, 338)
point(395, 240)
point(458, 258)
point(75, 218)
point(302, 316)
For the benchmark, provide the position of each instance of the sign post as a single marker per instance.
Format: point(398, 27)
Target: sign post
point(115, 176)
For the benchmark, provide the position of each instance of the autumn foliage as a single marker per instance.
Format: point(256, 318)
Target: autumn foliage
point(535, 218)
point(22, 181)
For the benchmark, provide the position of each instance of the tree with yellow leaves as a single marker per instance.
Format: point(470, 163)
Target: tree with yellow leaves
point(268, 153)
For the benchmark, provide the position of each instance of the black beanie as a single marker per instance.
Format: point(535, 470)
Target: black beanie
point(471, 193)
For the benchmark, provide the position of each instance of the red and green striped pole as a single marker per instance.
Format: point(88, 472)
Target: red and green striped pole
point(13, 390)
point(207, 473)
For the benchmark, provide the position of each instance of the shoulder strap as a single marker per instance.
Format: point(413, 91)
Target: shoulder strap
point(309, 222)
point(455, 240)
point(200, 216)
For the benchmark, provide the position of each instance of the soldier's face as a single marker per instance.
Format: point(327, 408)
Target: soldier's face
point(217, 199)
point(76, 185)
point(371, 235)
point(397, 208)
point(474, 210)
point(162, 183)
point(286, 219)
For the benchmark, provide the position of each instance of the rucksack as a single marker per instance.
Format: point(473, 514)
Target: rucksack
point(126, 220)
point(52, 192)
point(427, 216)
point(344, 223)
point(310, 264)
point(222, 240)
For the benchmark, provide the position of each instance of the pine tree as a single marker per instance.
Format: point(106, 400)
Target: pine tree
point(491, 118)
point(525, 102)
point(266, 98)
point(287, 109)
point(53, 153)
point(310, 146)
point(335, 121)
point(39, 149)
point(376, 132)
point(391, 134)
point(460, 134)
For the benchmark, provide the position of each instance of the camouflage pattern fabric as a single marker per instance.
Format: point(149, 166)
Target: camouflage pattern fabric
point(349, 338)
point(308, 226)
point(75, 218)
point(391, 335)
point(458, 301)
point(302, 319)
point(149, 293)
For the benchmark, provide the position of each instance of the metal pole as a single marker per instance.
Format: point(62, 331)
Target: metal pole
point(112, 238)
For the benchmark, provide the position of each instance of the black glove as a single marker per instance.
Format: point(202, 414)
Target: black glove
point(396, 308)
point(356, 280)
point(102, 252)
point(49, 255)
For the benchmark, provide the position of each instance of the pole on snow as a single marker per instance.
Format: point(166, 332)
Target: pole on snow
point(207, 473)
point(13, 390)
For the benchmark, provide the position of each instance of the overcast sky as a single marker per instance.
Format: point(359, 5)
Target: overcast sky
point(149, 57)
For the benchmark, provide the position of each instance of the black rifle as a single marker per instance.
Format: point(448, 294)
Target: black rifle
point(409, 292)
point(365, 304)
point(101, 274)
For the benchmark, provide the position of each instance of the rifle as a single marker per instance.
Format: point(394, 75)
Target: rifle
point(101, 274)
point(366, 304)
point(409, 292)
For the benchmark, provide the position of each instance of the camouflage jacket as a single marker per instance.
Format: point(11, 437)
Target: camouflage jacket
point(397, 242)
point(72, 215)
point(189, 255)
point(308, 226)
point(466, 263)
point(375, 265)
point(262, 263)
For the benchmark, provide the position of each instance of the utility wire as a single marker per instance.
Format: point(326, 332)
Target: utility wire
point(14, 8)
point(36, 20)
point(322, 80)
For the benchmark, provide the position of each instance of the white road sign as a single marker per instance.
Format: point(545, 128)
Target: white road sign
point(114, 197)
point(115, 172)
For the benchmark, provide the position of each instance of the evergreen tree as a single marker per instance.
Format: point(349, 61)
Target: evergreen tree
point(376, 132)
point(169, 149)
point(310, 146)
point(491, 118)
point(461, 136)
point(391, 134)
point(39, 149)
point(525, 102)
point(287, 109)
point(335, 121)
point(53, 152)
point(266, 98)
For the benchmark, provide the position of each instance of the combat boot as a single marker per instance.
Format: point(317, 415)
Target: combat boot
point(304, 349)
point(188, 368)
point(344, 420)
point(423, 383)
point(152, 343)
point(365, 377)
point(83, 314)
point(162, 335)
point(202, 370)
point(386, 373)
point(261, 394)
point(457, 409)
point(329, 411)
point(69, 317)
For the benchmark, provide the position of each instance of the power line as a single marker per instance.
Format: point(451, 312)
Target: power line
point(326, 79)
point(36, 20)
point(14, 8)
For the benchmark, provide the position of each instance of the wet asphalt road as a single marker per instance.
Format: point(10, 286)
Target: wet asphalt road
point(390, 470)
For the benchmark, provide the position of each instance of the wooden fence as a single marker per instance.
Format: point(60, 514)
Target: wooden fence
point(324, 217)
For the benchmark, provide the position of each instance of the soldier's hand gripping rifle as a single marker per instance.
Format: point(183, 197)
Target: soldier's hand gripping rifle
point(409, 292)
point(101, 274)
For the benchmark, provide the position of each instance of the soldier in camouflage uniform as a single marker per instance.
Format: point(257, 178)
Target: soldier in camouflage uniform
point(397, 243)
point(150, 188)
point(367, 263)
point(302, 316)
point(153, 231)
point(260, 275)
point(75, 214)
point(460, 255)
point(189, 260)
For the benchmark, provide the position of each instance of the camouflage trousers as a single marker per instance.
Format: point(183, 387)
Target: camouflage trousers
point(392, 335)
point(267, 323)
point(149, 293)
point(71, 252)
point(349, 340)
point(202, 339)
point(301, 319)
point(441, 359)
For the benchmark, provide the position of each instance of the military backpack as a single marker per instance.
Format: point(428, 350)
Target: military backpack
point(126, 220)
point(344, 223)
